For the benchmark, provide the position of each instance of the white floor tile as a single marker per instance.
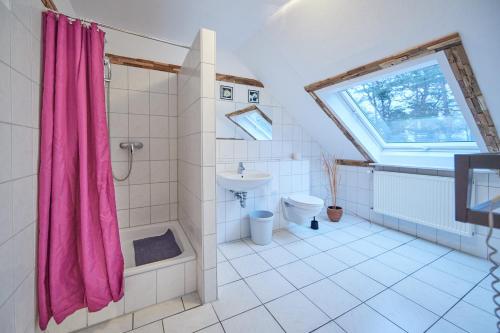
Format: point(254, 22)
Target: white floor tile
point(155, 327)
point(396, 235)
point(358, 231)
point(384, 242)
point(301, 249)
point(191, 320)
point(325, 264)
point(380, 272)
point(278, 256)
point(363, 319)
point(250, 265)
point(296, 314)
point(425, 295)
point(442, 281)
point(341, 237)
point(347, 255)
point(331, 327)
point(269, 285)
point(191, 300)
point(220, 256)
point(443, 326)
point(226, 273)
point(399, 262)
point(422, 244)
point(299, 274)
point(157, 312)
point(329, 297)
point(366, 248)
point(471, 319)
point(468, 260)
point(283, 237)
point(357, 284)
point(481, 298)
point(235, 249)
point(322, 243)
point(257, 320)
point(416, 254)
point(217, 328)
point(302, 231)
point(406, 314)
point(458, 270)
point(234, 298)
point(259, 248)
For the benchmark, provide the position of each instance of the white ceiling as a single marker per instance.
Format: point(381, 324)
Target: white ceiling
point(310, 40)
point(235, 21)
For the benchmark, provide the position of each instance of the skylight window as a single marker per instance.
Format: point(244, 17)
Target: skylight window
point(410, 107)
point(411, 114)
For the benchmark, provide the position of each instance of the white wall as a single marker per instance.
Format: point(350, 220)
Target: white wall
point(196, 164)
point(309, 40)
point(355, 195)
point(143, 107)
point(20, 34)
point(289, 176)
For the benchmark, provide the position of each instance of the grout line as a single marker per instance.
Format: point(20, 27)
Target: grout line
point(353, 266)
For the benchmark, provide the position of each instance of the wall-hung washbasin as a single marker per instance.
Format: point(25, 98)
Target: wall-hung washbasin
point(246, 181)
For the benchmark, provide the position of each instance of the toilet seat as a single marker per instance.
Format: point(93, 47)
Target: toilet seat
point(307, 201)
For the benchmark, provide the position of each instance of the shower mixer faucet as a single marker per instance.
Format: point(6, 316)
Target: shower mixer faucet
point(131, 145)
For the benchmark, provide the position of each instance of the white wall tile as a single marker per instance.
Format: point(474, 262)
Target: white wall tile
point(22, 151)
point(5, 92)
point(6, 270)
point(119, 77)
point(141, 291)
point(138, 102)
point(170, 282)
point(138, 79)
point(159, 103)
point(158, 81)
point(5, 34)
point(23, 210)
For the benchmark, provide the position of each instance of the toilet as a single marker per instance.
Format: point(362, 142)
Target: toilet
point(301, 208)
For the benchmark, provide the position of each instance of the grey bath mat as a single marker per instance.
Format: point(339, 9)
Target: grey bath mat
point(156, 248)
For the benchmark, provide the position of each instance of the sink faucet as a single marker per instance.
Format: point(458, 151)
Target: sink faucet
point(241, 168)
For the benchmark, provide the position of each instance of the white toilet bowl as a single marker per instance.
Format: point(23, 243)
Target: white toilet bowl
point(300, 208)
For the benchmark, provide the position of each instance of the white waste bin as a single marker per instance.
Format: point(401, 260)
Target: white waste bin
point(261, 226)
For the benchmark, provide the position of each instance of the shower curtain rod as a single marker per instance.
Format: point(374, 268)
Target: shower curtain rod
point(122, 30)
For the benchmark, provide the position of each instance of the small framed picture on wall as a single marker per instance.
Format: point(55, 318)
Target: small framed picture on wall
point(253, 96)
point(226, 92)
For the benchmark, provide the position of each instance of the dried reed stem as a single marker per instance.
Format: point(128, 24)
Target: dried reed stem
point(331, 165)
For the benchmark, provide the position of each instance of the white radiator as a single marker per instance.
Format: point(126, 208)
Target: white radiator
point(426, 200)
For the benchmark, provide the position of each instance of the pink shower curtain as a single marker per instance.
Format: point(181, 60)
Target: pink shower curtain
point(80, 263)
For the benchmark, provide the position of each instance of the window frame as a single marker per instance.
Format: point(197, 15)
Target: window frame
point(438, 58)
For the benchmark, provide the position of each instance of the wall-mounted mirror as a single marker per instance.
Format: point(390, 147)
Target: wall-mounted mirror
point(248, 123)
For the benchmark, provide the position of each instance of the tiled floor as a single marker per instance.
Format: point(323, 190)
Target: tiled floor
point(352, 276)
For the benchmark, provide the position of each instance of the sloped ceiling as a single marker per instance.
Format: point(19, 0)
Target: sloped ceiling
point(310, 40)
point(290, 44)
point(179, 20)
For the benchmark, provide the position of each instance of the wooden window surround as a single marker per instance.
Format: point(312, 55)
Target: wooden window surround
point(462, 70)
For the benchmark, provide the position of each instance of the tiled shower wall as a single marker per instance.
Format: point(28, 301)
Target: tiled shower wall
point(144, 108)
point(274, 156)
point(20, 32)
point(197, 158)
point(355, 195)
